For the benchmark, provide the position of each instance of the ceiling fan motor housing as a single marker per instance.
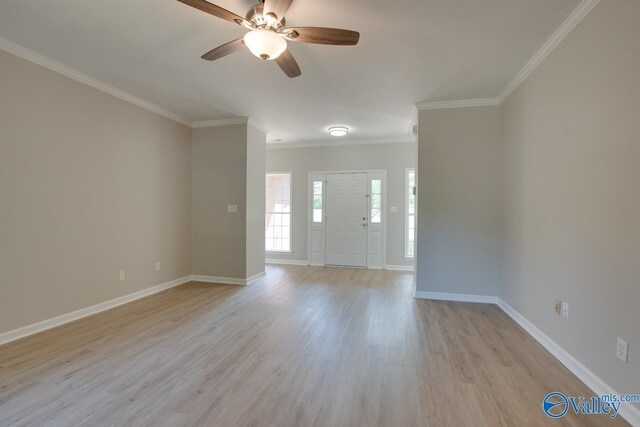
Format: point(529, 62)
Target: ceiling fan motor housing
point(256, 16)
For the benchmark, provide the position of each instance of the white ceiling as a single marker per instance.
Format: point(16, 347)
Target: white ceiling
point(409, 51)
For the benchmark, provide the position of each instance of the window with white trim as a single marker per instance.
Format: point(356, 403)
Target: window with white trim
point(317, 201)
point(410, 213)
point(376, 201)
point(278, 212)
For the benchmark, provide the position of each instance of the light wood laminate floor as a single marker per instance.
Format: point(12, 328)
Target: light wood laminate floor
point(305, 346)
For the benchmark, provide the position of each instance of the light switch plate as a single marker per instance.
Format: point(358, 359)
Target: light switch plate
point(232, 208)
point(394, 209)
point(622, 350)
point(121, 275)
point(565, 310)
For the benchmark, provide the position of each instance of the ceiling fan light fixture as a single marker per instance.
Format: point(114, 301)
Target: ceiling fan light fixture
point(338, 131)
point(265, 44)
point(268, 35)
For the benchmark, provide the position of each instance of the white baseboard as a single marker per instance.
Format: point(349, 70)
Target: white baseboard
point(628, 411)
point(257, 277)
point(287, 261)
point(399, 267)
point(217, 279)
point(25, 331)
point(227, 280)
point(305, 262)
point(443, 296)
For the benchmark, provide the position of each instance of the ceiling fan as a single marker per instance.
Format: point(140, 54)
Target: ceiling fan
point(268, 36)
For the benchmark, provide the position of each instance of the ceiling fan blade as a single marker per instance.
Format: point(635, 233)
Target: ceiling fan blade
point(218, 11)
point(277, 7)
point(318, 35)
point(288, 64)
point(223, 50)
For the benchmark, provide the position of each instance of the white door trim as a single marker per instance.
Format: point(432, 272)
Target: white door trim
point(315, 175)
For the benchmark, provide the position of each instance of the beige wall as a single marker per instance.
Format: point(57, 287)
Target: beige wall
point(538, 199)
point(256, 164)
point(228, 168)
point(395, 158)
point(459, 209)
point(572, 192)
point(219, 177)
point(89, 185)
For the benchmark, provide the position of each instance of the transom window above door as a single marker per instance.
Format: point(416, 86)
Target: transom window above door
point(278, 212)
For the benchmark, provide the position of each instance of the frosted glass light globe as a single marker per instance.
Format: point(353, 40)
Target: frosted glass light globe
point(265, 44)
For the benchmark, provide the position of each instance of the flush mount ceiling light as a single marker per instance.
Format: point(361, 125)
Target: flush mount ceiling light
point(338, 131)
point(265, 44)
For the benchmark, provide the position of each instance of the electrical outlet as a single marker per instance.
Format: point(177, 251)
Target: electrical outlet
point(558, 307)
point(157, 266)
point(622, 350)
point(565, 310)
point(121, 275)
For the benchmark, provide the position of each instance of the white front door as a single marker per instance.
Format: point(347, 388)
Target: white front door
point(346, 213)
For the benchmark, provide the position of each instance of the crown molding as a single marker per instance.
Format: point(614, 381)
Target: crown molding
point(461, 103)
point(556, 38)
point(339, 143)
point(578, 14)
point(221, 122)
point(563, 31)
point(230, 122)
point(258, 126)
point(52, 65)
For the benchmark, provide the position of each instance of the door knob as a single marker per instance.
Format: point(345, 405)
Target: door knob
point(364, 225)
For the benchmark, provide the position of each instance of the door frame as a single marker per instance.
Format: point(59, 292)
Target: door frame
point(319, 260)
